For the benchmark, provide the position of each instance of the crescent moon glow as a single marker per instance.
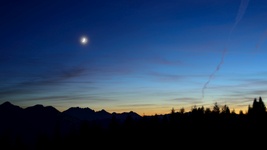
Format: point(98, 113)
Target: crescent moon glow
point(83, 40)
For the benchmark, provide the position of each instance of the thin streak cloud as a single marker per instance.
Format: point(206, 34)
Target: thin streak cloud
point(241, 11)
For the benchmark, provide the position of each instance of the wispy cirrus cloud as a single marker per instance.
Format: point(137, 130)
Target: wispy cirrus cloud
point(40, 83)
point(186, 100)
point(166, 76)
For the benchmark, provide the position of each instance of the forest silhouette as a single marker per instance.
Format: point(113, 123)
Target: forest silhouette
point(42, 128)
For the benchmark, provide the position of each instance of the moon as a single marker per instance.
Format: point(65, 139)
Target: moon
point(84, 40)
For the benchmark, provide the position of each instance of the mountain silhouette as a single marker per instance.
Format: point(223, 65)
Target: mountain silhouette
point(9, 110)
point(82, 113)
point(36, 121)
point(92, 115)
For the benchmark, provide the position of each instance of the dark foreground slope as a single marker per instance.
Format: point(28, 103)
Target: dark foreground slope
point(40, 127)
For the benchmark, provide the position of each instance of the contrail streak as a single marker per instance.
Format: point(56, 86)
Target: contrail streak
point(241, 11)
point(213, 73)
point(263, 37)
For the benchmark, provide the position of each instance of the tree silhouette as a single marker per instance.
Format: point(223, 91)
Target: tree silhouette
point(207, 110)
point(262, 107)
point(258, 107)
point(182, 110)
point(233, 112)
point(216, 108)
point(225, 110)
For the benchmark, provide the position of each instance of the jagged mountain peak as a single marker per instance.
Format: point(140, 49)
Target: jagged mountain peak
point(9, 106)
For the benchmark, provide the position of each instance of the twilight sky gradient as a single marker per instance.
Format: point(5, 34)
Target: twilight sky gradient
point(146, 56)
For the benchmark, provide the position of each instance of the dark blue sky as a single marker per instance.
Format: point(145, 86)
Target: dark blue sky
point(143, 56)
